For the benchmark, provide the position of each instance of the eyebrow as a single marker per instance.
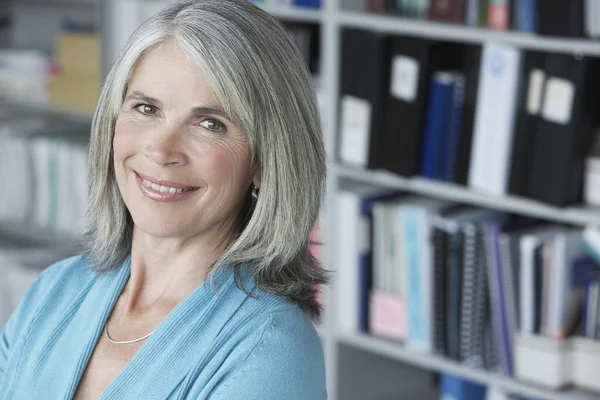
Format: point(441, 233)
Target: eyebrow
point(213, 110)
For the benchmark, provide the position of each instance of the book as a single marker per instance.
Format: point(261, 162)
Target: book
point(498, 15)
point(447, 10)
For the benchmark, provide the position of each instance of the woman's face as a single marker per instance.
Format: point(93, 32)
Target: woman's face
point(181, 165)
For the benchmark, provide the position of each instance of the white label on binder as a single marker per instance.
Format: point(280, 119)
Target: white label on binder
point(558, 102)
point(405, 78)
point(355, 126)
point(534, 95)
point(591, 187)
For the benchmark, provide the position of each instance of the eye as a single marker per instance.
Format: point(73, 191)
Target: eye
point(213, 125)
point(146, 109)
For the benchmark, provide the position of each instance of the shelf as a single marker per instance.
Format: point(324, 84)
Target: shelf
point(20, 231)
point(46, 109)
point(295, 13)
point(368, 180)
point(440, 364)
point(59, 3)
point(463, 33)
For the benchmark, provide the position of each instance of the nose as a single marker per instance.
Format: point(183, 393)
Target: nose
point(164, 147)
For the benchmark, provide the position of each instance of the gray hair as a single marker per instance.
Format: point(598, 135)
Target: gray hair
point(263, 83)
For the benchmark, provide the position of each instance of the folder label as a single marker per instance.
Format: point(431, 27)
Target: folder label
point(537, 77)
point(356, 120)
point(558, 102)
point(405, 78)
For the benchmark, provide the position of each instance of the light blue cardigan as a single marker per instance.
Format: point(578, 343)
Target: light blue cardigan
point(219, 346)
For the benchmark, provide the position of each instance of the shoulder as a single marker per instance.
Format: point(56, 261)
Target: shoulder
point(283, 358)
point(55, 280)
point(285, 362)
point(72, 268)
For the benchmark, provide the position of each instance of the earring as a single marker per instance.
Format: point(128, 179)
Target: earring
point(255, 193)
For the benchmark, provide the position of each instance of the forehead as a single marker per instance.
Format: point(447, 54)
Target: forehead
point(168, 73)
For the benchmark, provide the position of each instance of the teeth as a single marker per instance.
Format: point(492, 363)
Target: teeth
point(163, 189)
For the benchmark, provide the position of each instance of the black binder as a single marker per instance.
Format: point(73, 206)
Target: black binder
point(472, 67)
point(560, 148)
point(561, 17)
point(365, 74)
point(526, 124)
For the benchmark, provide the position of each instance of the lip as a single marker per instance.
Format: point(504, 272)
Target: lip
point(161, 182)
point(160, 196)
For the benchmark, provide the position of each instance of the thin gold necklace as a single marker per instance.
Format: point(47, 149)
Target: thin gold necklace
point(124, 341)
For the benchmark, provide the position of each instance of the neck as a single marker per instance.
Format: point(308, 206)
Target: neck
point(165, 271)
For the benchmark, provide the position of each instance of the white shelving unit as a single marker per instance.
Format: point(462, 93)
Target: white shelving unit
point(296, 14)
point(441, 364)
point(332, 18)
point(341, 177)
point(366, 180)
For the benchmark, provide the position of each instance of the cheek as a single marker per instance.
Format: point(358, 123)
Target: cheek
point(125, 140)
point(229, 163)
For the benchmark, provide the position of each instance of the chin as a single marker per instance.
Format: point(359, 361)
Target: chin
point(159, 228)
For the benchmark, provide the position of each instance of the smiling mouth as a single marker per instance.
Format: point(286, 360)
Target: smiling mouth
point(163, 191)
point(166, 189)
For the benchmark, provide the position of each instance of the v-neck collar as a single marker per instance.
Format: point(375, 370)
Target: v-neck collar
point(108, 286)
point(174, 340)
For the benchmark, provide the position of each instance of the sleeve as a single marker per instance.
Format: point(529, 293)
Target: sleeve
point(19, 319)
point(286, 363)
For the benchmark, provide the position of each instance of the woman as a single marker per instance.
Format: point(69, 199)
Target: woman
point(194, 284)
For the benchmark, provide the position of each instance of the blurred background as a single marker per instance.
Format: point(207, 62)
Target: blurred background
point(461, 214)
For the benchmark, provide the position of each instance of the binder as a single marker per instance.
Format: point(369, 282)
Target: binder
point(413, 62)
point(494, 119)
point(365, 73)
point(561, 18)
point(470, 325)
point(437, 124)
point(527, 17)
point(500, 324)
point(440, 246)
point(453, 291)
point(565, 129)
point(465, 139)
point(451, 143)
point(531, 93)
point(457, 388)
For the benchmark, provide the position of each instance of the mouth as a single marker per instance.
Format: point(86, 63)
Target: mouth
point(161, 190)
